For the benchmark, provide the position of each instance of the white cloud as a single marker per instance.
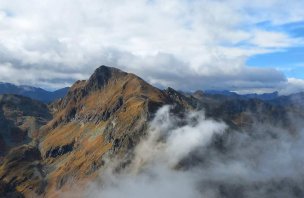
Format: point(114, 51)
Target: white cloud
point(293, 85)
point(162, 41)
point(269, 39)
point(198, 157)
point(152, 172)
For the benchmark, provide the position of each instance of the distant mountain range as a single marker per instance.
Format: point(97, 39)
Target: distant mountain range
point(33, 92)
point(46, 149)
point(45, 96)
point(264, 96)
point(273, 98)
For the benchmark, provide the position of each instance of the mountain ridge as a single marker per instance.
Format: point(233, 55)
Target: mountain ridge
point(104, 118)
point(35, 93)
point(20, 120)
point(104, 115)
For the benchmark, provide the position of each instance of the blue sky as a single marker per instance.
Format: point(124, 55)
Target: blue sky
point(234, 45)
point(288, 60)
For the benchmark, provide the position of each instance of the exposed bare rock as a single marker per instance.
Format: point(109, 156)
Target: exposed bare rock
point(21, 173)
point(20, 120)
point(104, 116)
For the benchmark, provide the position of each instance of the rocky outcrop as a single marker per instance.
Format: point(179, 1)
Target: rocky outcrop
point(21, 173)
point(20, 120)
point(242, 113)
point(102, 117)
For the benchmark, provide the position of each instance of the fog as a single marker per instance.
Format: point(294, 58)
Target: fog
point(198, 157)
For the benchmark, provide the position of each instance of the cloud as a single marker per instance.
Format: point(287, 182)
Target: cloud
point(269, 39)
point(151, 173)
point(293, 85)
point(198, 157)
point(166, 43)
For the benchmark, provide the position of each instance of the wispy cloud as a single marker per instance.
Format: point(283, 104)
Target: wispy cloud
point(201, 158)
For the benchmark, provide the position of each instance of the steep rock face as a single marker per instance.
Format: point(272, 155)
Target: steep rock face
point(244, 113)
point(21, 173)
point(104, 93)
point(20, 119)
point(101, 118)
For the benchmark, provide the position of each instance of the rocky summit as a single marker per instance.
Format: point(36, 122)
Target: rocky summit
point(104, 115)
point(49, 149)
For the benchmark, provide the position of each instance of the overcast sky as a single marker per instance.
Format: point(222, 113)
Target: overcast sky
point(245, 46)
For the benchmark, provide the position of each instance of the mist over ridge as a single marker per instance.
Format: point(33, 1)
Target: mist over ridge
point(151, 98)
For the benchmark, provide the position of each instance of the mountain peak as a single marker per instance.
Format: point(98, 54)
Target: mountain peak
point(106, 70)
point(103, 68)
point(107, 91)
point(102, 75)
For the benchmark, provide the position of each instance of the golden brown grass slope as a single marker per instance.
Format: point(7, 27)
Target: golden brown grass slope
point(99, 119)
point(102, 117)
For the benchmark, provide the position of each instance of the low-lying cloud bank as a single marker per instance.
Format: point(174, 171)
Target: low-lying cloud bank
point(199, 157)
